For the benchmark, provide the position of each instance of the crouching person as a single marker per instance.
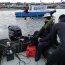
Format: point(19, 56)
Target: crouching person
point(43, 34)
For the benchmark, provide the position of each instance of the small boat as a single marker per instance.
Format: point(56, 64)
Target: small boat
point(35, 11)
point(33, 14)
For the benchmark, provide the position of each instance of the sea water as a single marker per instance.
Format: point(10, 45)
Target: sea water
point(28, 26)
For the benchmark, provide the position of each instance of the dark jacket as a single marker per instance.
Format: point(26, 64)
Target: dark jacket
point(59, 29)
point(45, 32)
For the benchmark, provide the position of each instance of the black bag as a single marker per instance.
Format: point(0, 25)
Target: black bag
point(14, 32)
point(9, 54)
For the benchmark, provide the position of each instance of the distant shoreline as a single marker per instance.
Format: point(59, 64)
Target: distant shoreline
point(14, 9)
point(8, 9)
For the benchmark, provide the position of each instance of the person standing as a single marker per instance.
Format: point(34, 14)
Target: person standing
point(26, 7)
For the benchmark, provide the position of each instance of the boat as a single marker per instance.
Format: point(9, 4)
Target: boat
point(33, 14)
point(35, 11)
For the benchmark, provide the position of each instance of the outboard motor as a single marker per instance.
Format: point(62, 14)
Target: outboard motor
point(14, 32)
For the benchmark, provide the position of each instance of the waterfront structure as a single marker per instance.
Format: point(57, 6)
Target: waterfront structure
point(20, 5)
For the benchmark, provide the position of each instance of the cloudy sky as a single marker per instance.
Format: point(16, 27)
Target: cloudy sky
point(31, 1)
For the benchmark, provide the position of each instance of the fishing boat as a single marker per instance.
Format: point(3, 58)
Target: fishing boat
point(33, 14)
point(35, 11)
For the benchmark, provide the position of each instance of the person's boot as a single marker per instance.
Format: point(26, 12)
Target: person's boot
point(38, 53)
point(37, 57)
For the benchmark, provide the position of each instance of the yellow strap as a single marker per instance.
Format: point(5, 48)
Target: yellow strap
point(48, 23)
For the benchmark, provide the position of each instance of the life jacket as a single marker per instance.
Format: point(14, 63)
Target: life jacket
point(48, 23)
point(46, 29)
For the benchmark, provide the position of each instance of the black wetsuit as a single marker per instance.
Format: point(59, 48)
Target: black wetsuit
point(58, 56)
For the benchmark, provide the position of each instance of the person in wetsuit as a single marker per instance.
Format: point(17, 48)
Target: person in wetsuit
point(58, 56)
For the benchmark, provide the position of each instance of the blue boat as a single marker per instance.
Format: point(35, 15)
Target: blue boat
point(33, 14)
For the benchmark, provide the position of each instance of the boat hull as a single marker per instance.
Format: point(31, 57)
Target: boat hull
point(31, 14)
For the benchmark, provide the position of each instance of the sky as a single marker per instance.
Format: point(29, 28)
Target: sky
point(28, 1)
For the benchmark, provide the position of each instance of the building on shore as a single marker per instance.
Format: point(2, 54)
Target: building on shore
point(60, 5)
point(20, 5)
